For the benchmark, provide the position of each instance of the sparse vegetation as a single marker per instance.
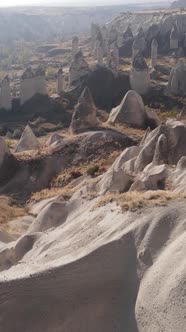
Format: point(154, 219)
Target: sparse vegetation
point(92, 170)
point(9, 211)
point(137, 200)
point(10, 144)
point(164, 116)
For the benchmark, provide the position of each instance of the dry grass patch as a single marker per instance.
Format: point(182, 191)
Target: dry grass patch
point(9, 211)
point(135, 133)
point(138, 200)
point(49, 193)
point(164, 116)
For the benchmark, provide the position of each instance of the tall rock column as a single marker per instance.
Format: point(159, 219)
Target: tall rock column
point(139, 43)
point(100, 55)
point(174, 38)
point(40, 84)
point(78, 69)
point(154, 53)
point(139, 75)
point(5, 94)
point(27, 89)
point(60, 82)
point(114, 59)
point(75, 46)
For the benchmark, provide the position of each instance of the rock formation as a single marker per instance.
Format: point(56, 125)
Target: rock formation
point(113, 35)
point(32, 82)
point(139, 75)
point(84, 113)
point(177, 80)
point(27, 89)
point(60, 82)
point(100, 55)
point(54, 139)
point(107, 87)
point(128, 33)
point(5, 94)
point(78, 69)
point(28, 141)
point(125, 50)
point(174, 38)
point(75, 46)
point(4, 151)
point(97, 39)
point(154, 53)
point(40, 84)
point(139, 43)
point(114, 59)
point(131, 111)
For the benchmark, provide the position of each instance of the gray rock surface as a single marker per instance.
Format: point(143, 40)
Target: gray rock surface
point(131, 111)
point(28, 141)
point(84, 113)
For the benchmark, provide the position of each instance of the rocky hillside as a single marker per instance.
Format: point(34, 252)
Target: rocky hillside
point(160, 21)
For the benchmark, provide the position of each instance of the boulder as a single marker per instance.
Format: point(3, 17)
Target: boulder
point(28, 141)
point(84, 113)
point(131, 111)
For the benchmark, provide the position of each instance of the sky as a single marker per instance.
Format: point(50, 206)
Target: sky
point(6, 3)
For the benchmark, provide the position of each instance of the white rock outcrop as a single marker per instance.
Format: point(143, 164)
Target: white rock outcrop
point(131, 111)
point(28, 141)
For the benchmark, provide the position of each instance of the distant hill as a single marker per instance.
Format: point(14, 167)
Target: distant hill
point(50, 24)
point(55, 24)
point(179, 4)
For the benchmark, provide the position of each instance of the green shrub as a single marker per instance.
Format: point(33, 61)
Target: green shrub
point(9, 144)
point(92, 170)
